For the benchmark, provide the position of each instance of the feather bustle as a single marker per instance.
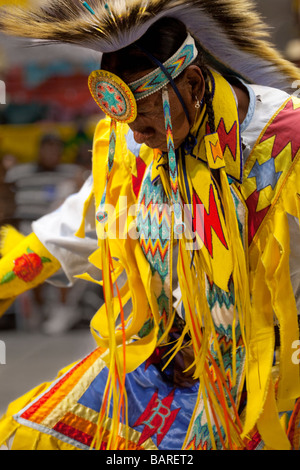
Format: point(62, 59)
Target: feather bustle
point(231, 30)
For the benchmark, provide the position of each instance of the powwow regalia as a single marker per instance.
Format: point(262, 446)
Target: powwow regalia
point(197, 245)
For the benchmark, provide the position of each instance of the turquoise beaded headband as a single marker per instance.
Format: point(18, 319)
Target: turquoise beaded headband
point(174, 66)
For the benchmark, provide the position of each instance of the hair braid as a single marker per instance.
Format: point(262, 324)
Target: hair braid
point(208, 100)
point(210, 113)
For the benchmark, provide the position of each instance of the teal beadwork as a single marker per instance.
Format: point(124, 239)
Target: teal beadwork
point(157, 79)
point(111, 98)
point(87, 6)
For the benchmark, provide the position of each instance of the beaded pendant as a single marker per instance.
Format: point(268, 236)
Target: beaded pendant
point(113, 96)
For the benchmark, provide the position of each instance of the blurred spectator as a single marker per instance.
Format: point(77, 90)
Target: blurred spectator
point(296, 9)
point(40, 188)
point(7, 196)
point(82, 142)
point(292, 51)
point(36, 184)
point(9, 161)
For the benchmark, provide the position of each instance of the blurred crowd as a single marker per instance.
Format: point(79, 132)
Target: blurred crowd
point(27, 192)
point(292, 51)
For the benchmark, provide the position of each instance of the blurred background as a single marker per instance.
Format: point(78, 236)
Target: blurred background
point(47, 120)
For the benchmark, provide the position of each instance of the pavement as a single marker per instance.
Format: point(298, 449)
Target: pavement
point(28, 359)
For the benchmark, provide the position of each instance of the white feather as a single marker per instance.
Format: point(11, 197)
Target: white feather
point(251, 67)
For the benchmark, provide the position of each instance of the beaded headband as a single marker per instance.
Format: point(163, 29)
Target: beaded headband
point(174, 66)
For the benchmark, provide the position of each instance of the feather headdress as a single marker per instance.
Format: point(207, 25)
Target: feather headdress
point(230, 31)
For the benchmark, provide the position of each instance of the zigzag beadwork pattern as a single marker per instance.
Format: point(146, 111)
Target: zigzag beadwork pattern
point(178, 224)
point(216, 296)
point(154, 224)
point(154, 227)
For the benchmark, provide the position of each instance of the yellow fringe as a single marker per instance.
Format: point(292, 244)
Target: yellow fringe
point(81, 230)
point(201, 328)
point(242, 307)
point(273, 294)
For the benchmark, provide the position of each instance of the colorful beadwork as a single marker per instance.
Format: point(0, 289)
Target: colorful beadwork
point(101, 214)
point(113, 96)
point(157, 79)
point(178, 224)
point(87, 6)
point(154, 227)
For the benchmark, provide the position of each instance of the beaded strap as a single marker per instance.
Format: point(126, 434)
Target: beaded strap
point(101, 214)
point(178, 224)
